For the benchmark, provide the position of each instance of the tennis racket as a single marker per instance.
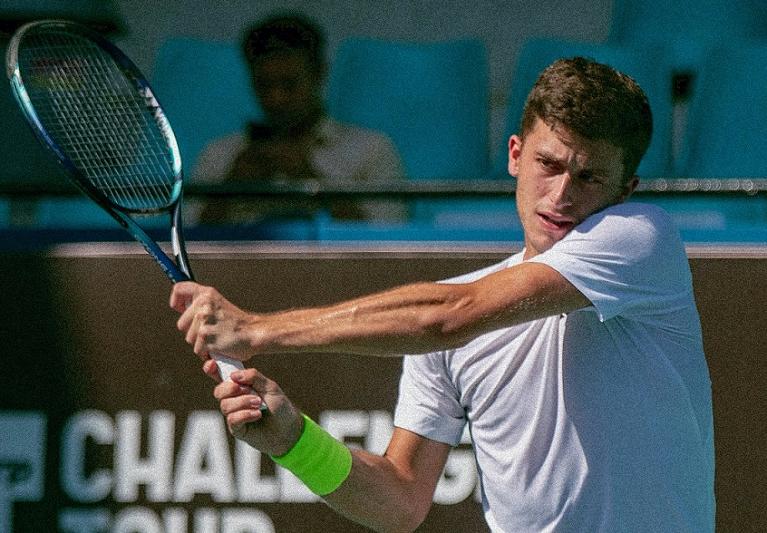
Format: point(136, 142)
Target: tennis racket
point(93, 108)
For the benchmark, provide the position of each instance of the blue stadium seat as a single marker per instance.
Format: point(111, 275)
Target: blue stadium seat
point(726, 124)
point(689, 29)
point(415, 231)
point(72, 213)
point(204, 87)
point(711, 217)
point(727, 116)
point(430, 98)
point(647, 66)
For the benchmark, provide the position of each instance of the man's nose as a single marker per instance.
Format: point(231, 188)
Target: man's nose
point(561, 191)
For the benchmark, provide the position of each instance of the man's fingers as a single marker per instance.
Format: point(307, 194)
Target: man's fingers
point(239, 404)
point(244, 402)
point(211, 369)
point(182, 295)
point(239, 422)
point(184, 322)
point(250, 377)
point(229, 389)
point(246, 381)
point(199, 314)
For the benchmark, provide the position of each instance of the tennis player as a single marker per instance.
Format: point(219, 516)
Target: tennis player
point(577, 363)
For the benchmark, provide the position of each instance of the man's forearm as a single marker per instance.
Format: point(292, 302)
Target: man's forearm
point(422, 317)
point(376, 497)
point(416, 318)
point(393, 492)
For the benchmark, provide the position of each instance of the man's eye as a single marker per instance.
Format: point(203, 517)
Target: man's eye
point(547, 163)
point(588, 177)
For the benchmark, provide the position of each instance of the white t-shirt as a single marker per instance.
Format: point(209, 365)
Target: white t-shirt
point(595, 421)
point(342, 154)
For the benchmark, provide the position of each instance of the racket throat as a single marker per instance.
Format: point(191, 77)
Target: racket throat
point(177, 241)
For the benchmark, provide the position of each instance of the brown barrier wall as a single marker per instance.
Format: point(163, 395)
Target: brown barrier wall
point(94, 372)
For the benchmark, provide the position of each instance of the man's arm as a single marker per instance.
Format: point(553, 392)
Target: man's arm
point(416, 318)
point(392, 492)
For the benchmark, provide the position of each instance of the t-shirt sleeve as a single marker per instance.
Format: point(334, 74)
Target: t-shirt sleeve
point(428, 402)
point(628, 260)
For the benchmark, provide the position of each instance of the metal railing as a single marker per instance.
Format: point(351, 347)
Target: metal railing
point(394, 189)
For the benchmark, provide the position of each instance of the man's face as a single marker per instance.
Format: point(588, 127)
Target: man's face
point(562, 178)
point(288, 89)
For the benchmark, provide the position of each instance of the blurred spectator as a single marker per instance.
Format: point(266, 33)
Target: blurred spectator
point(297, 141)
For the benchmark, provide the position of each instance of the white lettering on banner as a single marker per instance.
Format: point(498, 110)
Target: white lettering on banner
point(144, 456)
point(204, 465)
point(292, 489)
point(252, 485)
point(379, 432)
point(205, 521)
point(143, 465)
point(175, 520)
point(84, 520)
point(345, 424)
point(459, 477)
point(77, 484)
point(136, 519)
point(246, 521)
point(458, 480)
point(154, 471)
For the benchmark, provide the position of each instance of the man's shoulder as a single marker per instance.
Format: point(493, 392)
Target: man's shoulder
point(630, 218)
point(631, 230)
point(635, 210)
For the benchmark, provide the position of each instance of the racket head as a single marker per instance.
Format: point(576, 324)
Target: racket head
point(95, 110)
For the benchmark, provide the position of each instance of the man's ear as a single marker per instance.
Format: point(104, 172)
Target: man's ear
point(628, 188)
point(515, 150)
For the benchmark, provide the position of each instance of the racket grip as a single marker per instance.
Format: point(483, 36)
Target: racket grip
point(227, 365)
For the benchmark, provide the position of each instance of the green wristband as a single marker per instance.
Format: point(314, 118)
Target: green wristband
point(317, 459)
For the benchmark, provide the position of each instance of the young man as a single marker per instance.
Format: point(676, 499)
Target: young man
point(297, 140)
point(578, 363)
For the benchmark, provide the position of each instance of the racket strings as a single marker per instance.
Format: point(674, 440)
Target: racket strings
point(107, 123)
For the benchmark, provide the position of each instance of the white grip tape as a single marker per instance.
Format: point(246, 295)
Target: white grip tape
point(226, 365)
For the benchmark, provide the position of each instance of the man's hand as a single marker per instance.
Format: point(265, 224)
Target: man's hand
point(212, 323)
point(240, 401)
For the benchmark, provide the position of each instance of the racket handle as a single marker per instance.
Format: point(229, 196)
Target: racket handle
point(227, 365)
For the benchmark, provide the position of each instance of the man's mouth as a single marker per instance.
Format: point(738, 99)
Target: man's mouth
point(557, 222)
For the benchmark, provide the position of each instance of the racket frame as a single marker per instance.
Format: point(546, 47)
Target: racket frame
point(177, 271)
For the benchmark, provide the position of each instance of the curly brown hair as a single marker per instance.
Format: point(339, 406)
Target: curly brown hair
point(594, 101)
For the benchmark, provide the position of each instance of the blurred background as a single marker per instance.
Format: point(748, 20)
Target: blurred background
point(445, 81)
